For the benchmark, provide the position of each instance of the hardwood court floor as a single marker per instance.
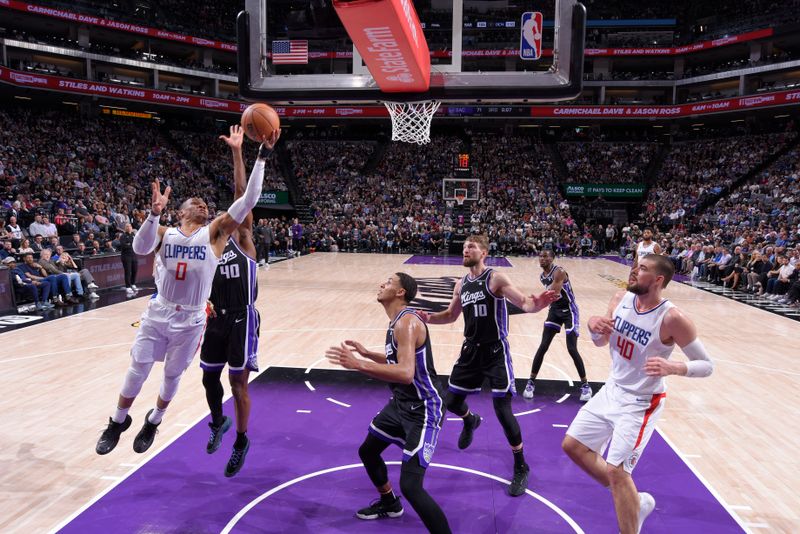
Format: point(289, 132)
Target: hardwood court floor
point(60, 381)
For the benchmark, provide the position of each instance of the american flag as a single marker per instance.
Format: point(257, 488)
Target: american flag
point(289, 52)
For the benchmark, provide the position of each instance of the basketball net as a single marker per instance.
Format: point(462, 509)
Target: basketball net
point(411, 121)
point(460, 199)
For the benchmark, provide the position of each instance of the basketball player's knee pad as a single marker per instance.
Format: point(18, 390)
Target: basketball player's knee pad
point(135, 376)
point(502, 408)
point(169, 386)
point(456, 404)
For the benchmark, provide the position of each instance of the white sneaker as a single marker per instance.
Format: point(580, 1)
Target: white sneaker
point(93, 295)
point(646, 505)
point(529, 389)
point(129, 291)
point(133, 286)
point(92, 285)
point(586, 392)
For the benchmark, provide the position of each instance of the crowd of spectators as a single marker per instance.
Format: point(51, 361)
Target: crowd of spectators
point(595, 162)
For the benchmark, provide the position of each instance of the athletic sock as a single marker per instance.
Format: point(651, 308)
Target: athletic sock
point(156, 416)
point(388, 498)
point(241, 440)
point(519, 459)
point(120, 414)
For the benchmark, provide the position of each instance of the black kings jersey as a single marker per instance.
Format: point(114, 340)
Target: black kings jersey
point(425, 386)
point(235, 286)
point(567, 297)
point(485, 315)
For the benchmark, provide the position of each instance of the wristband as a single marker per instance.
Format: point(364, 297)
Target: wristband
point(155, 217)
point(264, 152)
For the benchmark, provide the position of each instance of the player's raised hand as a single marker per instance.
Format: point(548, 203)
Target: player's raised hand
point(356, 346)
point(159, 201)
point(235, 139)
point(271, 140)
point(343, 356)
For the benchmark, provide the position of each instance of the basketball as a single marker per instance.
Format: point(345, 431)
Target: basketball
point(259, 121)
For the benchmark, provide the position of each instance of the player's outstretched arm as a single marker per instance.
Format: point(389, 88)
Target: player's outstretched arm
point(679, 329)
point(450, 314)
point(362, 351)
point(501, 285)
point(406, 332)
point(224, 225)
point(245, 230)
point(600, 327)
point(148, 236)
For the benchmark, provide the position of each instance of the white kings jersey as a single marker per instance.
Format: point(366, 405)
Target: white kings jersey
point(637, 337)
point(185, 267)
point(642, 250)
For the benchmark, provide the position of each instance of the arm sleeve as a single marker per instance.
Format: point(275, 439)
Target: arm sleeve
point(146, 238)
point(699, 364)
point(245, 203)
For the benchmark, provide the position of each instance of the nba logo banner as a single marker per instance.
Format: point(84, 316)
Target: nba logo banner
point(530, 44)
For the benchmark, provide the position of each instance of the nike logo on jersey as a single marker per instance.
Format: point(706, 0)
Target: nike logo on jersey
point(237, 321)
point(413, 407)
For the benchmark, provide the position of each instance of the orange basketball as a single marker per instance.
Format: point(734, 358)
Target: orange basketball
point(259, 121)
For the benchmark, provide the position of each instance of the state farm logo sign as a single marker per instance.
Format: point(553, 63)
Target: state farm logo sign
point(213, 103)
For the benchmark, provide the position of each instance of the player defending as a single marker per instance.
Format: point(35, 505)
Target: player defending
point(645, 247)
point(564, 311)
point(413, 417)
point(641, 330)
point(233, 324)
point(172, 325)
point(485, 354)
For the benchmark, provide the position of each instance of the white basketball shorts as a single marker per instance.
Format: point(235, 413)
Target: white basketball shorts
point(622, 418)
point(169, 333)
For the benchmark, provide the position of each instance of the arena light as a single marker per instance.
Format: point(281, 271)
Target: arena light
point(737, 120)
point(69, 103)
point(22, 97)
point(658, 126)
point(781, 116)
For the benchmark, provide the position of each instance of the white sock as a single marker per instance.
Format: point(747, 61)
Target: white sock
point(120, 414)
point(156, 415)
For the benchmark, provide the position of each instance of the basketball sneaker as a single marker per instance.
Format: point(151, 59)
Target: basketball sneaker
point(520, 481)
point(146, 435)
point(646, 505)
point(92, 285)
point(586, 392)
point(110, 436)
point(133, 286)
point(529, 388)
point(471, 422)
point(215, 438)
point(379, 510)
point(236, 460)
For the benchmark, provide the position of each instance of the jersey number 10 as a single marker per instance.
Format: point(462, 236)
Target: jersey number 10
point(229, 271)
point(479, 310)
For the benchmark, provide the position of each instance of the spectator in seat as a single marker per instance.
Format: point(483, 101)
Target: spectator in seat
point(15, 231)
point(25, 247)
point(54, 268)
point(778, 285)
point(49, 228)
point(37, 226)
point(25, 285)
point(7, 251)
point(37, 244)
point(59, 283)
point(69, 265)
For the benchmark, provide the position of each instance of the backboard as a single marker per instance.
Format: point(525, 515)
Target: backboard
point(298, 51)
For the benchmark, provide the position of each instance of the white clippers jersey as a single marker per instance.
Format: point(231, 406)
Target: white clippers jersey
point(642, 250)
point(185, 267)
point(636, 337)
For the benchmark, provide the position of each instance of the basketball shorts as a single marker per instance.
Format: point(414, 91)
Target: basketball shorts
point(414, 426)
point(566, 315)
point(169, 333)
point(619, 420)
point(232, 338)
point(479, 362)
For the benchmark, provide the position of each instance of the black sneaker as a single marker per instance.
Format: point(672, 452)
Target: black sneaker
point(146, 435)
point(470, 424)
point(215, 438)
point(379, 510)
point(110, 436)
point(520, 481)
point(237, 460)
